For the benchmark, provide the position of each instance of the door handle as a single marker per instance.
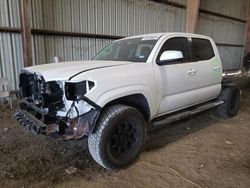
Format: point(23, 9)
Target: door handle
point(191, 72)
point(216, 68)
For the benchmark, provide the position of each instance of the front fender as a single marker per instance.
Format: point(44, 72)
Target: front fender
point(111, 95)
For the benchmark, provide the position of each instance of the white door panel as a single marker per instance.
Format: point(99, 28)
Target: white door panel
point(178, 84)
point(176, 101)
point(207, 93)
point(177, 78)
point(207, 79)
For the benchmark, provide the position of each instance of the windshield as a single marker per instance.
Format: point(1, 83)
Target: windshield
point(135, 49)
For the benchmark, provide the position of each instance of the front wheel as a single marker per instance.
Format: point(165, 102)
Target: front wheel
point(118, 137)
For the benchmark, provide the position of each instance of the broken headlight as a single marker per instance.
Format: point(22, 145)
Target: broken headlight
point(75, 90)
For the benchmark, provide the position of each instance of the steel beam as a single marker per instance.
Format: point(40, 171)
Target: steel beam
point(192, 12)
point(247, 31)
point(26, 33)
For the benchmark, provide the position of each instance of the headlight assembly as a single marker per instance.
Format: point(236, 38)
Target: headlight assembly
point(75, 90)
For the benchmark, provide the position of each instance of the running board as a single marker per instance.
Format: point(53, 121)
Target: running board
point(181, 115)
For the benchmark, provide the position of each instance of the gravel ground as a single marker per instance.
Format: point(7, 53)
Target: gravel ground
point(201, 151)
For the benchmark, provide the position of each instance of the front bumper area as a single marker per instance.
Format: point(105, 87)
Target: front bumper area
point(37, 121)
point(30, 122)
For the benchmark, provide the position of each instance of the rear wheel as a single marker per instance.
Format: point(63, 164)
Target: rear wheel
point(231, 98)
point(118, 137)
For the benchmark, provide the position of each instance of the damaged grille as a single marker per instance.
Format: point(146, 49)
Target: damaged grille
point(42, 95)
point(43, 106)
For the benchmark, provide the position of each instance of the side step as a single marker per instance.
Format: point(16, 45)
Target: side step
point(183, 114)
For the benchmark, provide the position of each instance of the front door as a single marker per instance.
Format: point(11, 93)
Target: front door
point(177, 78)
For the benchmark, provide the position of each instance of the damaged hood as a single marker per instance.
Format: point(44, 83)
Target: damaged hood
point(66, 70)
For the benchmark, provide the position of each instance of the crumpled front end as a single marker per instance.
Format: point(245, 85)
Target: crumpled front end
point(56, 108)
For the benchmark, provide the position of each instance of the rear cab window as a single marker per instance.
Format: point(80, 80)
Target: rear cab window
point(202, 49)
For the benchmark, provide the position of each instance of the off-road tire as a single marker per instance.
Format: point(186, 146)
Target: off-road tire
point(231, 98)
point(118, 137)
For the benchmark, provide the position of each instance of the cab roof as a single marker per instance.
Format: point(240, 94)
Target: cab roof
point(158, 35)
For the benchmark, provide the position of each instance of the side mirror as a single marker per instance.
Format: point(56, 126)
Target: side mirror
point(170, 56)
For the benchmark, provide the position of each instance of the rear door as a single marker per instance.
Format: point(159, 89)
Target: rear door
point(208, 70)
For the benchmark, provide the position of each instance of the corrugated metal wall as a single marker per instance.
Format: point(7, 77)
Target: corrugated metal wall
point(224, 30)
point(66, 48)
point(234, 8)
point(9, 13)
point(11, 59)
point(110, 17)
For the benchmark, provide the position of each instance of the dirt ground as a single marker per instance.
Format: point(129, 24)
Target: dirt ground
point(202, 151)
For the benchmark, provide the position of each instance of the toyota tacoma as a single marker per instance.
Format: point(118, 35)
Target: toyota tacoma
point(131, 85)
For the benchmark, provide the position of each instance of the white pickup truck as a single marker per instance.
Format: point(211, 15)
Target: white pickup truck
point(130, 85)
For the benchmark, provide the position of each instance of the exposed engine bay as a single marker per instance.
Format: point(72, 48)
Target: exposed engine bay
point(56, 107)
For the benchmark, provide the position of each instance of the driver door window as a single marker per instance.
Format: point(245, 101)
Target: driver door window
point(177, 44)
